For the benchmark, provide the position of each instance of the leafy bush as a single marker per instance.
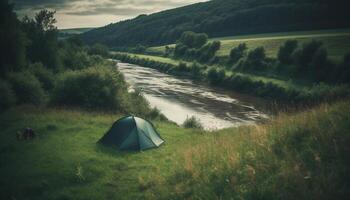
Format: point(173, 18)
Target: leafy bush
point(255, 61)
point(216, 76)
point(27, 88)
point(342, 73)
point(208, 51)
point(193, 40)
point(44, 75)
point(100, 88)
point(180, 50)
point(8, 97)
point(304, 56)
point(192, 122)
point(286, 51)
point(237, 53)
point(99, 49)
point(182, 67)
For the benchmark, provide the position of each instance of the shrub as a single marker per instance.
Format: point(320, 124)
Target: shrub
point(304, 56)
point(192, 122)
point(182, 67)
point(100, 88)
point(343, 70)
point(237, 53)
point(44, 75)
point(320, 67)
point(195, 69)
point(99, 49)
point(208, 51)
point(8, 97)
point(216, 76)
point(256, 60)
point(27, 88)
point(286, 50)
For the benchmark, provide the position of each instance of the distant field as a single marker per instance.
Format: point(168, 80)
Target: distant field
point(337, 42)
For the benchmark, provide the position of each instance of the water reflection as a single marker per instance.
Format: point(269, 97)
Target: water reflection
point(179, 98)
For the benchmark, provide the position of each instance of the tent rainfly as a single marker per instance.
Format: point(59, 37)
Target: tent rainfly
point(132, 133)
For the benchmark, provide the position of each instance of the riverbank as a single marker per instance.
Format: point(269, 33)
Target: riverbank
point(181, 98)
point(291, 156)
point(277, 90)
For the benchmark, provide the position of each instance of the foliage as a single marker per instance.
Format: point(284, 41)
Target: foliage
point(193, 46)
point(44, 75)
point(343, 70)
point(97, 88)
point(255, 60)
point(99, 49)
point(193, 40)
point(13, 41)
point(43, 42)
point(286, 50)
point(27, 88)
point(237, 53)
point(216, 76)
point(192, 122)
point(8, 97)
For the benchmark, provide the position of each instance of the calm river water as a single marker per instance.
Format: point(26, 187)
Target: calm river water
point(180, 98)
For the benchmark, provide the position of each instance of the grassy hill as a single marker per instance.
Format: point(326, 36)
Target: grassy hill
point(219, 18)
point(299, 156)
point(334, 41)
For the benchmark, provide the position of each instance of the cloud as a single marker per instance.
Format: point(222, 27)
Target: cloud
point(76, 11)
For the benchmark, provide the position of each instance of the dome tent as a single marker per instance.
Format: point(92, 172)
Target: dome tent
point(132, 133)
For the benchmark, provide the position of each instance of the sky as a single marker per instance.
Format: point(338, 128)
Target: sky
point(95, 13)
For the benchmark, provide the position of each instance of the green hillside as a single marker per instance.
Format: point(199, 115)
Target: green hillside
point(219, 18)
point(333, 41)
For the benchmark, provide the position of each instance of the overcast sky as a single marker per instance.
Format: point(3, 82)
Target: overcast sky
point(95, 13)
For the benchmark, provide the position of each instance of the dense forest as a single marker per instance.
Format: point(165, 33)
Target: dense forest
point(224, 18)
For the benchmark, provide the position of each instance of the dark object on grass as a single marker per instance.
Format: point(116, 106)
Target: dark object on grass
point(27, 134)
point(132, 133)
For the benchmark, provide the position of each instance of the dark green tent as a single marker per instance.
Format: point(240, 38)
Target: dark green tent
point(132, 133)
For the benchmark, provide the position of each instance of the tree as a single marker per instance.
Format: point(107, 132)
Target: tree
point(12, 40)
point(238, 53)
point(200, 40)
point(342, 73)
point(286, 50)
point(42, 33)
point(193, 40)
point(304, 56)
point(102, 50)
point(188, 38)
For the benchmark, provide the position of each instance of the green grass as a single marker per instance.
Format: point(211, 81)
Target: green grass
point(65, 162)
point(335, 41)
point(267, 161)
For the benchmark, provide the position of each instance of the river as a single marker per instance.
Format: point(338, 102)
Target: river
point(180, 98)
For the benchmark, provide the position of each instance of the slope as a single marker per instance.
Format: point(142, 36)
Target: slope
point(220, 18)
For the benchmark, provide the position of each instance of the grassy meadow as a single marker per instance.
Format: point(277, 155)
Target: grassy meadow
point(293, 156)
point(333, 41)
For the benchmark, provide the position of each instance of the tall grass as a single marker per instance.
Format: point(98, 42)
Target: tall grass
point(302, 156)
